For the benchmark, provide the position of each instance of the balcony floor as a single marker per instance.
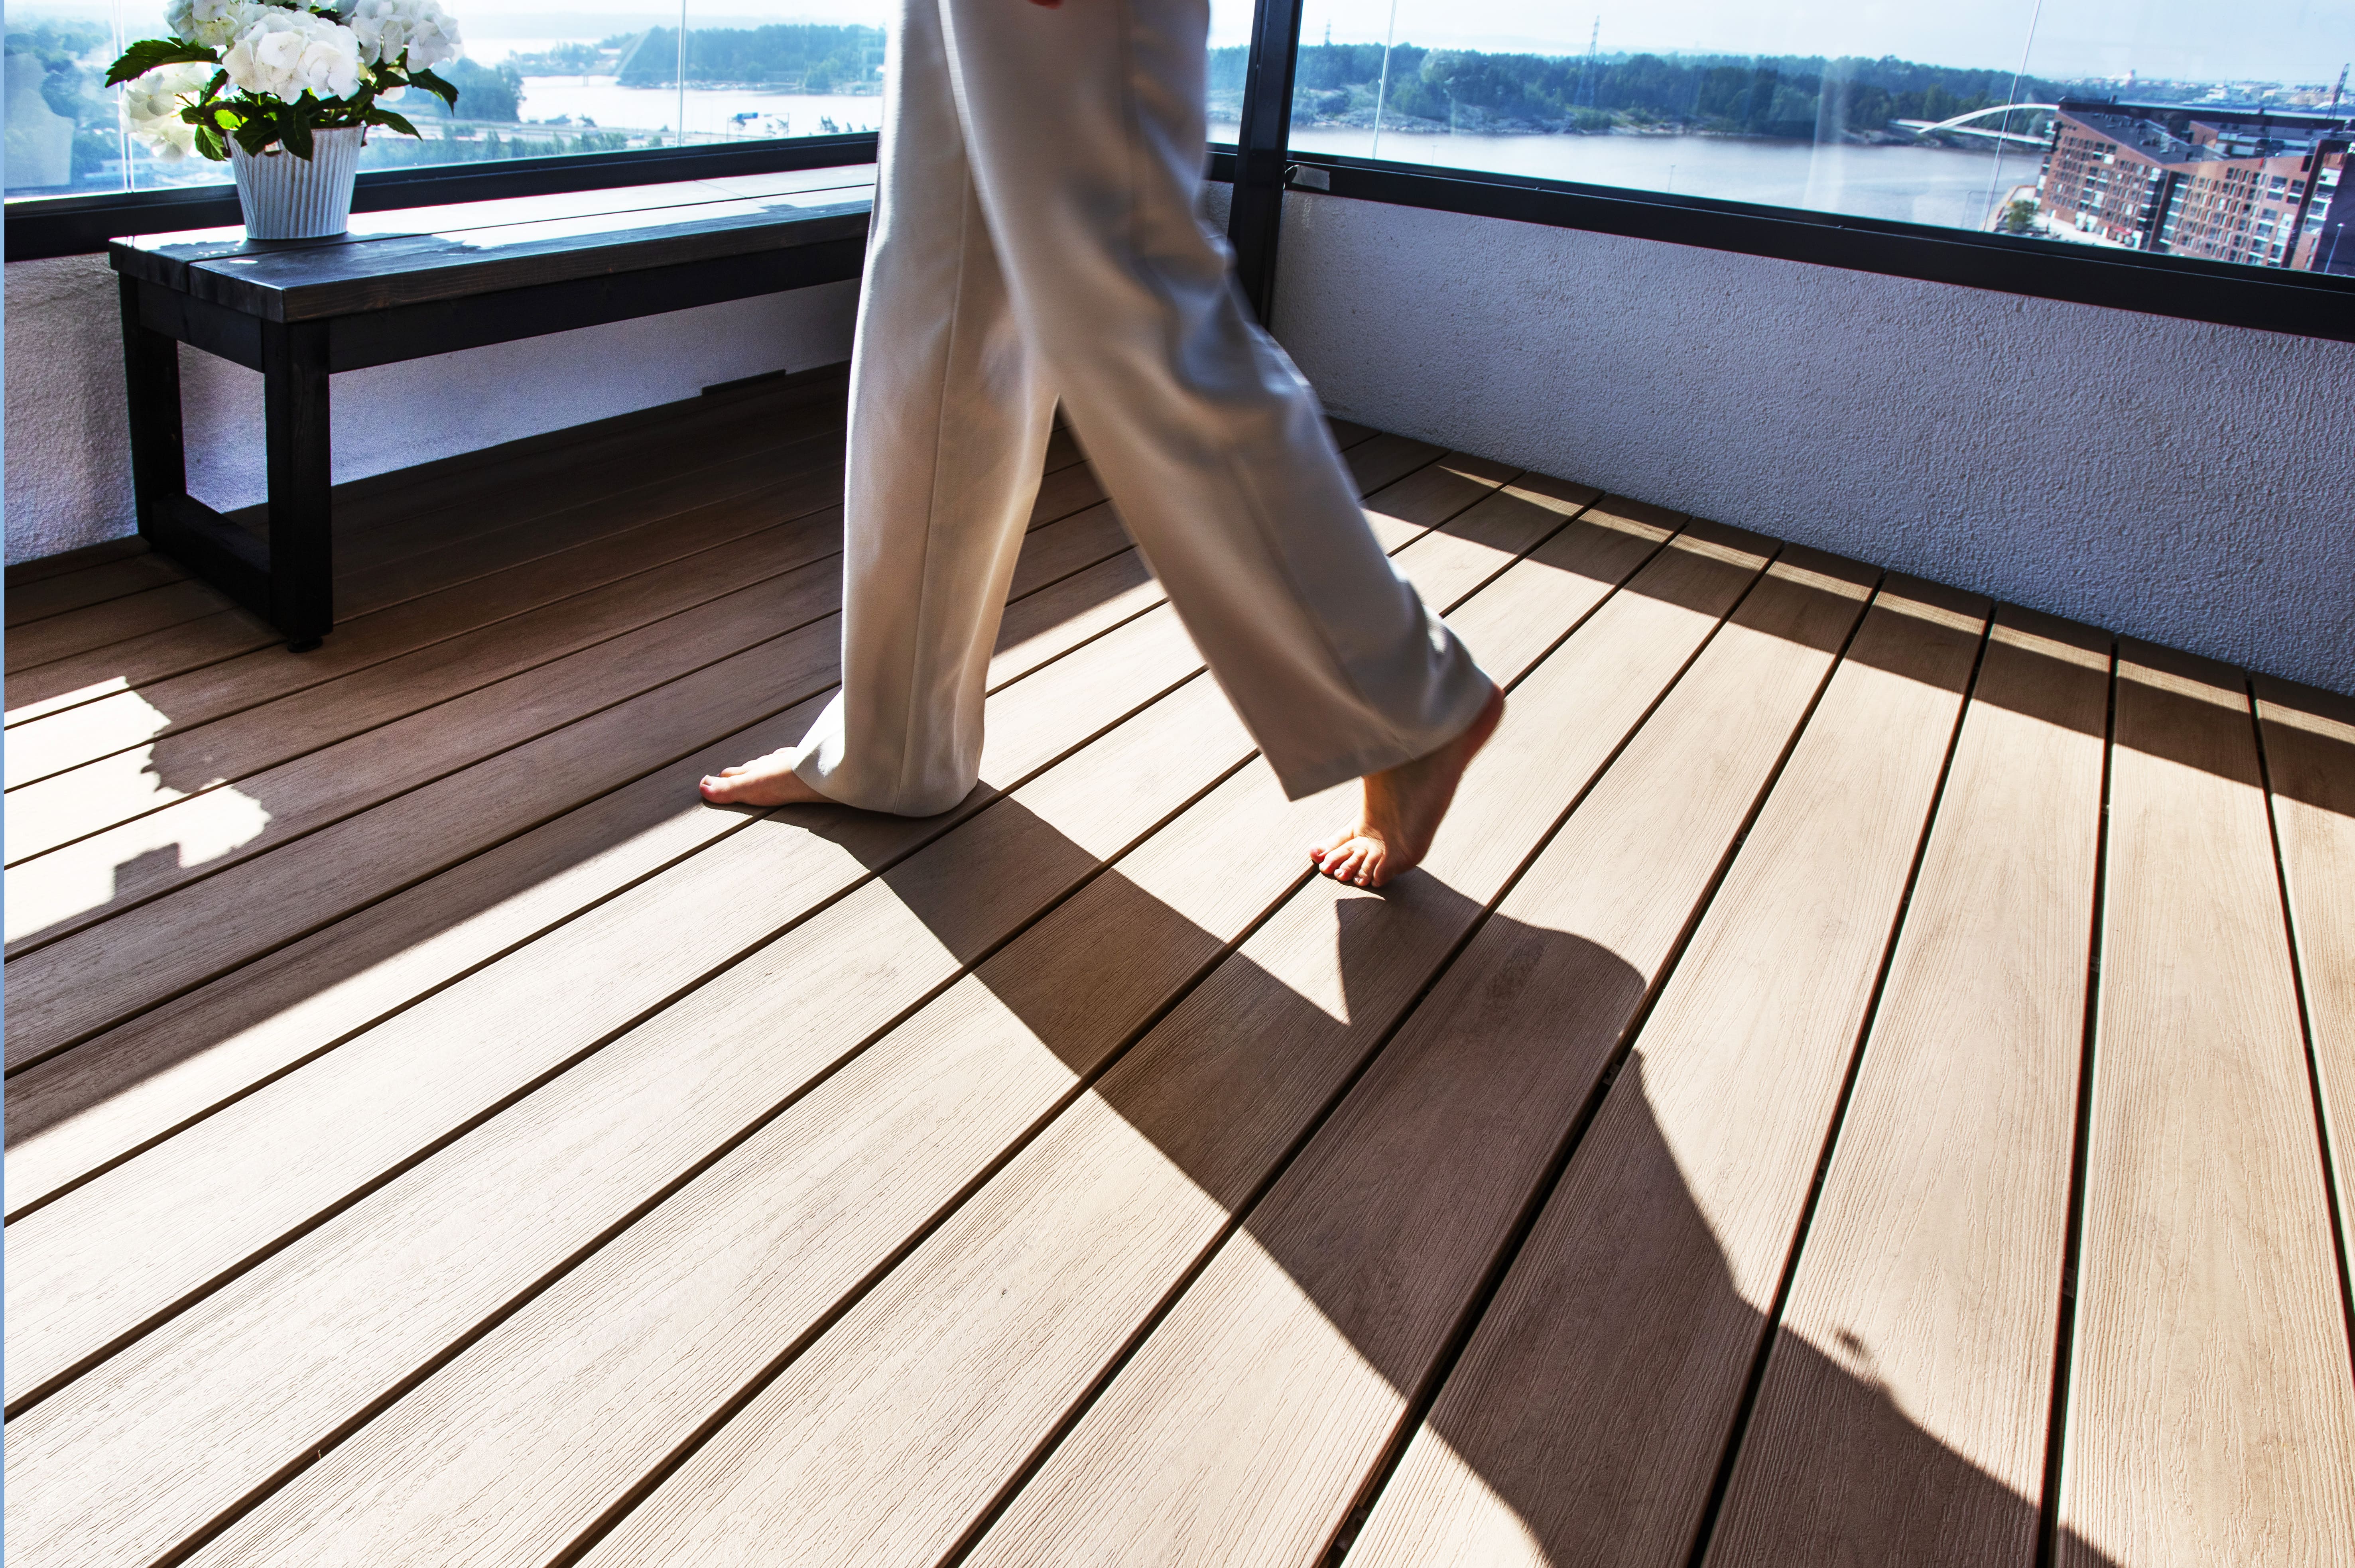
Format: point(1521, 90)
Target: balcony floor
point(1847, 1033)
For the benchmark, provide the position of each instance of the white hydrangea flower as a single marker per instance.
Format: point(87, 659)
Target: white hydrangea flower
point(212, 22)
point(151, 105)
point(285, 54)
point(387, 27)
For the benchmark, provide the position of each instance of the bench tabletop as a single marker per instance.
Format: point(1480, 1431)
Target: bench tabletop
point(419, 254)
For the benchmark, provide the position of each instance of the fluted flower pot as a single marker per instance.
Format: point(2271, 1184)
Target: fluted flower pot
point(287, 198)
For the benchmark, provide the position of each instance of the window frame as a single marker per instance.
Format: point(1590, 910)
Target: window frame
point(47, 226)
point(2270, 299)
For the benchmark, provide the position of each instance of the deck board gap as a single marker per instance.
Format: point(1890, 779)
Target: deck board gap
point(2056, 1425)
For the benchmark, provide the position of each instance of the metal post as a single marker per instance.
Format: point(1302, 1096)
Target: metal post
point(1261, 149)
point(294, 413)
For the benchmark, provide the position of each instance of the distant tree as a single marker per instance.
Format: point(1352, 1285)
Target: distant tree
point(2019, 217)
point(485, 92)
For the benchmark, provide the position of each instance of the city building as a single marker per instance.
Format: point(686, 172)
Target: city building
point(2224, 185)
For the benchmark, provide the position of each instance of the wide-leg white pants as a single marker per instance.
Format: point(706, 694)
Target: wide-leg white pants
point(1034, 238)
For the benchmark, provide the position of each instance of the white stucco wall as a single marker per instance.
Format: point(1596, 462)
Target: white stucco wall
point(2190, 484)
point(68, 457)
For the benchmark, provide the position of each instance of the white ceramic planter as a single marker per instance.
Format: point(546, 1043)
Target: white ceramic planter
point(287, 198)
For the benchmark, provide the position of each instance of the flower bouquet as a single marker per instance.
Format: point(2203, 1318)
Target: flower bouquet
point(266, 83)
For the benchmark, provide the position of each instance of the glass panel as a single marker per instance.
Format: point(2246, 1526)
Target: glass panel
point(537, 78)
point(2156, 124)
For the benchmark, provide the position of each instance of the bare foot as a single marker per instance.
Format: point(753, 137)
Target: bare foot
point(1402, 808)
point(764, 781)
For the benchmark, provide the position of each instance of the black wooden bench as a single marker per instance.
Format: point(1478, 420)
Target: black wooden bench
point(409, 284)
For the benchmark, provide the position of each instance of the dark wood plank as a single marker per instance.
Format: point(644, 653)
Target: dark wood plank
point(40, 570)
point(130, 572)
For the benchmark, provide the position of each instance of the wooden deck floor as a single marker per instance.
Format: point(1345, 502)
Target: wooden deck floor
point(1865, 1077)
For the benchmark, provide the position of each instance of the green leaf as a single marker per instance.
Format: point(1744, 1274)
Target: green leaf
point(434, 85)
point(254, 133)
point(295, 130)
point(149, 53)
point(388, 118)
point(209, 143)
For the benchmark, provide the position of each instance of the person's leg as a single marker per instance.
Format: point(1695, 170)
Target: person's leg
point(948, 432)
point(1084, 130)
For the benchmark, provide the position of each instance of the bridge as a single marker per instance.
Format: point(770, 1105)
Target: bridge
point(1961, 124)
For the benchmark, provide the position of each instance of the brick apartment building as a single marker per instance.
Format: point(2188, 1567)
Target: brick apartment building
point(2225, 184)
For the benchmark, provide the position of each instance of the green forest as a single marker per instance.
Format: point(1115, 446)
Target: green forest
point(807, 57)
point(1800, 96)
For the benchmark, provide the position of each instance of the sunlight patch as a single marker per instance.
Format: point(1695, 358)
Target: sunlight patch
point(130, 859)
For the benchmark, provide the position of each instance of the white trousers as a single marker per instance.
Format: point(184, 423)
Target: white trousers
point(1034, 238)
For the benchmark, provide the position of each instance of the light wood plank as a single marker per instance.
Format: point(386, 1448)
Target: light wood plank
point(70, 828)
point(2309, 745)
point(104, 1260)
point(1248, 1422)
point(352, 1308)
point(128, 720)
point(2211, 1413)
point(442, 541)
point(148, 1276)
point(154, 951)
point(757, 1249)
point(548, 482)
point(1902, 1417)
point(99, 880)
point(946, 1376)
point(896, 934)
point(84, 1109)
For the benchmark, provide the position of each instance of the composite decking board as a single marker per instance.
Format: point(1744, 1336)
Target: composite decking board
point(111, 1097)
point(93, 585)
point(1904, 1411)
point(1585, 1417)
point(139, 613)
point(141, 721)
point(1067, 612)
point(266, 1368)
point(813, 1204)
point(43, 568)
point(116, 620)
point(2210, 1414)
point(86, 882)
point(454, 543)
point(55, 816)
point(109, 1257)
point(586, 595)
point(195, 935)
point(966, 1356)
point(1190, 738)
point(1137, 664)
point(1249, 1422)
point(465, 559)
point(2309, 750)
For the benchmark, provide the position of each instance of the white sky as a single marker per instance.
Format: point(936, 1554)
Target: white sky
point(2297, 40)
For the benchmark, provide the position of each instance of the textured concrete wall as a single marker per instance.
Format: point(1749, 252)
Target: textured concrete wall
point(2190, 484)
point(68, 456)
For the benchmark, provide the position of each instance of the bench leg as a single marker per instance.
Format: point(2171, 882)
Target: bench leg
point(294, 411)
point(151, 366)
